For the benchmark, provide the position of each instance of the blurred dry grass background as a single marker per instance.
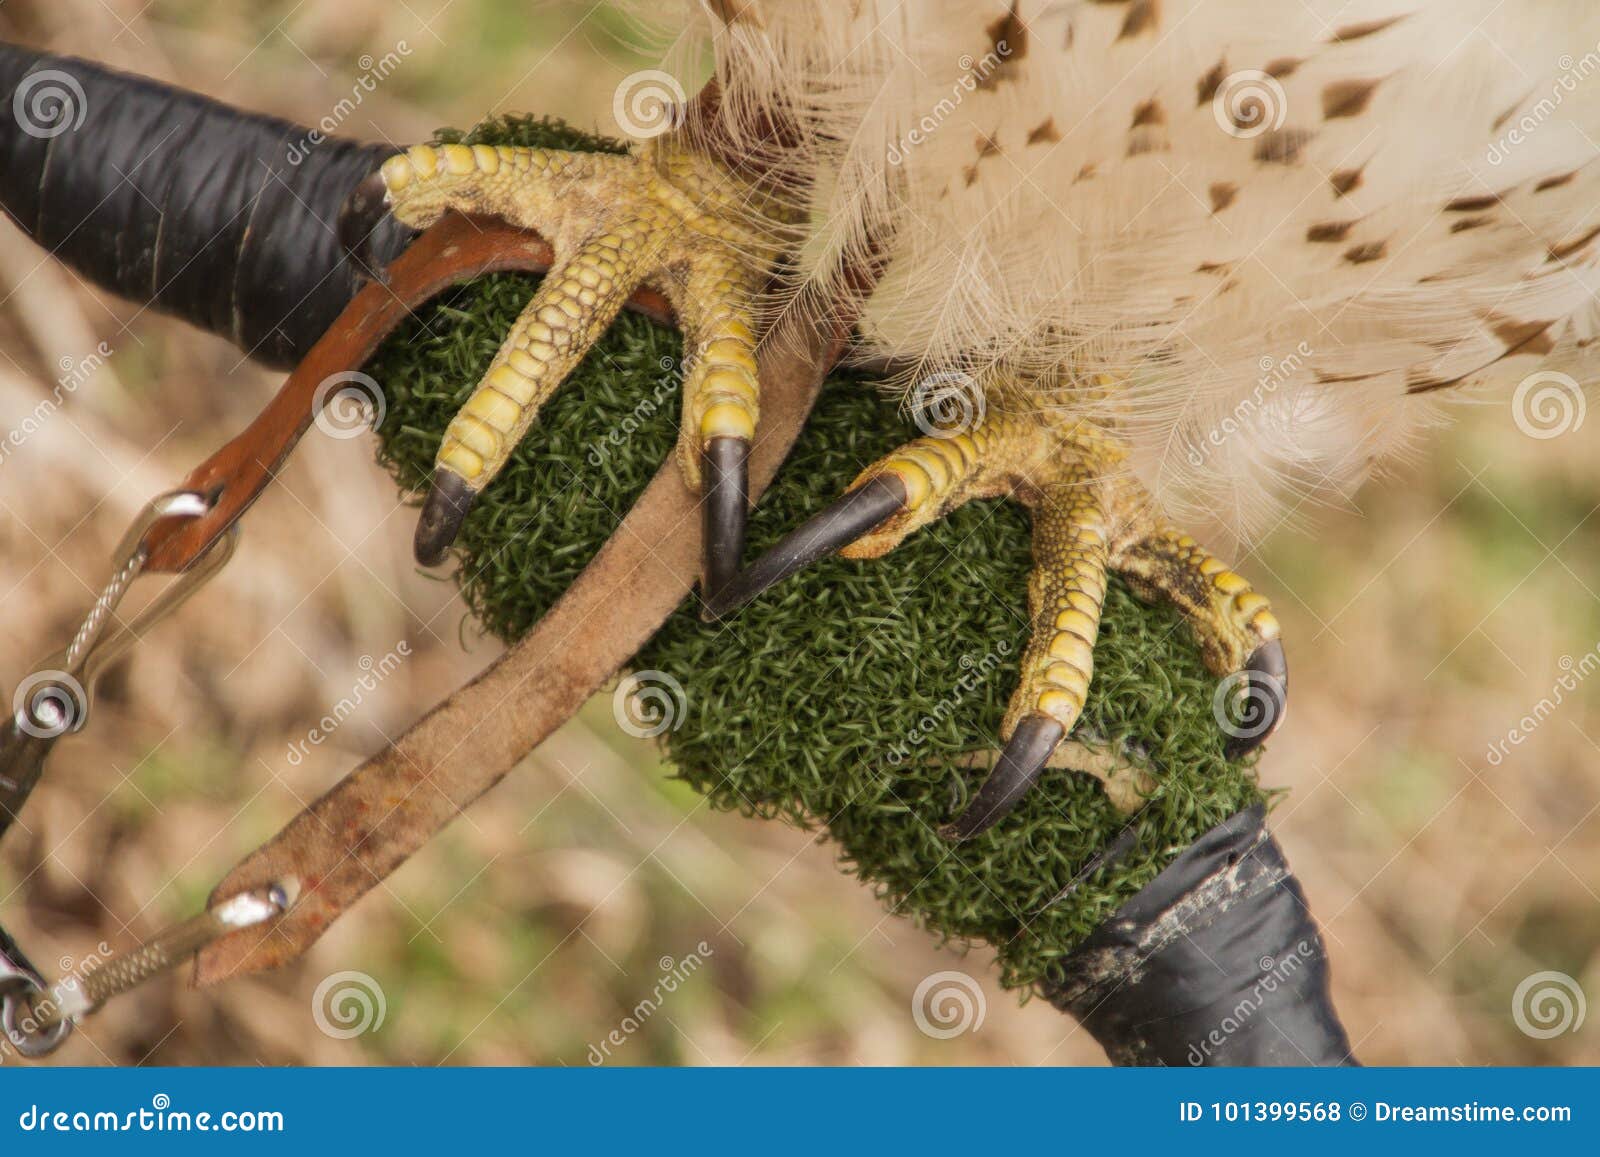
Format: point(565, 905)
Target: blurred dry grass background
point(1424, 622)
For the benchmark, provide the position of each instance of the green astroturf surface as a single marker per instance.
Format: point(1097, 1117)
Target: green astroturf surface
point(845, 698)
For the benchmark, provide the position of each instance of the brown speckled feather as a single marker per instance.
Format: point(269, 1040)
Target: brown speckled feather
point(1297, 223)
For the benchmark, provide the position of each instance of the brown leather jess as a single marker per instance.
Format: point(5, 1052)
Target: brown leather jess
point(457, 249)
point(370, 822)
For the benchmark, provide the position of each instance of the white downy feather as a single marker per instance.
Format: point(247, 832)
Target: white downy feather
point(1283, 228)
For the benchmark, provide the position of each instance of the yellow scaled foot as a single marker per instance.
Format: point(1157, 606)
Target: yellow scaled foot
point(666, 217)
point(1090, 517)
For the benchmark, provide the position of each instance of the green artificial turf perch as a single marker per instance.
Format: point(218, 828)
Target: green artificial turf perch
point(851, 697)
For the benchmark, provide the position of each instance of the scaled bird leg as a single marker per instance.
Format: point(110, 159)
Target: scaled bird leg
point(1065, 591)
point(1090, 517)
point(664, 216)
point(1233, 625)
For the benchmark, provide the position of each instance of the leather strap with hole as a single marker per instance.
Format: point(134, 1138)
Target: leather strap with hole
point(368, 824)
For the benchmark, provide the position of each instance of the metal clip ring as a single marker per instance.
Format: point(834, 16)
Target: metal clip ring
point(16, 1009)
point(55, 699)
point(20, 984)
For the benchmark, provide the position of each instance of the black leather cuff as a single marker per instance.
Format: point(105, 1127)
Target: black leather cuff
point(1216, 962)
point(221, 217)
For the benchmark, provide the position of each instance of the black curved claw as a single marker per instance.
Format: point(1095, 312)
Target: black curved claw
point(1021, 763)
point(359, 217)
point(449, 501)
point(725, 468)
point(853, 515)
point(1266, 700)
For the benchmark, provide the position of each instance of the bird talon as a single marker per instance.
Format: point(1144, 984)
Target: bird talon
point(1266, 700)
point(841, 523)
point(1089, 521)
point(667, 215)
point(1018, 769)
point(449, 501)
point(725, 471)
